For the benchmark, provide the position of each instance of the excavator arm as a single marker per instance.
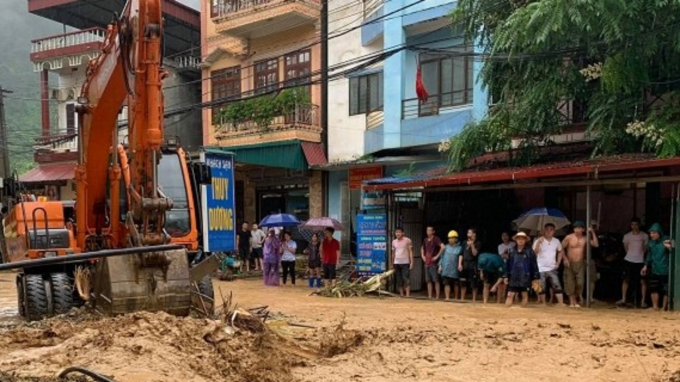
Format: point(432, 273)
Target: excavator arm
point(128, 71)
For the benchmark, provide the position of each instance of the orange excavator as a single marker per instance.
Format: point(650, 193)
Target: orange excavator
point(137, 219)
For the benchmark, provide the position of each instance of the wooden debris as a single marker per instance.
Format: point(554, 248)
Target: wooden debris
point(356, 288)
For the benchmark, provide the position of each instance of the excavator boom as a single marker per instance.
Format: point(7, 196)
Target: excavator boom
point(128, 73)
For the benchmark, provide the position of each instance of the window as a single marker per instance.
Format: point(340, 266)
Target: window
point(266, 75)
point(71, 119)
point(298, 67)
point(448, 80)
point(171, 183)
point(225, 84)
point(365, 93)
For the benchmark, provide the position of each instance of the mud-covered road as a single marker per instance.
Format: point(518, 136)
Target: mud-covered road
point(380, 340)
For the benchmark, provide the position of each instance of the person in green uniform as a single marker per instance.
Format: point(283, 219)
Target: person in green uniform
point(491, 271)
point(657, 264)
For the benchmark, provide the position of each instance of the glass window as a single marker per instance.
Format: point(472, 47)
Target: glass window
point(225, 84)
point(171, 184)
point(266, 75)
point(365, 93)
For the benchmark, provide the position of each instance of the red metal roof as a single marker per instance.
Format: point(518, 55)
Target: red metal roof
point(314, 153)
point(540, 171)
point(49, 173)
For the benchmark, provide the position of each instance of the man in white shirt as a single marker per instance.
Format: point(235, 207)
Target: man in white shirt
point(549, 255)
point(635, 243)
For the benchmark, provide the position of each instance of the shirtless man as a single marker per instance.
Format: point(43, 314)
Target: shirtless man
point(574, 262)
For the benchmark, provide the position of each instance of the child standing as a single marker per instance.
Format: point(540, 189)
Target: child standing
point(313, 253)
point(522, 270)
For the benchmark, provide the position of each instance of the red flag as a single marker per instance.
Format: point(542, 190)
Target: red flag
point(421, 92)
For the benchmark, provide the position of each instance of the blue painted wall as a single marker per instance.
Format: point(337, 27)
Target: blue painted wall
point(399, 73)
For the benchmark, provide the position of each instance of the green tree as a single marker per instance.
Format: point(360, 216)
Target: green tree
point(618, 60)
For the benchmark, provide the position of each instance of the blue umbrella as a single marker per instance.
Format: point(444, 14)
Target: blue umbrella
point(280, 220)
point(534, 220)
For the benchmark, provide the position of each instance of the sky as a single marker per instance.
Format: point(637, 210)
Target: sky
point(192, 3)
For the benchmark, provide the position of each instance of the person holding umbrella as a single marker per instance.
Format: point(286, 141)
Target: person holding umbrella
point(313, 252)
point(272, 258)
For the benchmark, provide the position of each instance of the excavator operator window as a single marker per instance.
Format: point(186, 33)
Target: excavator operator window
point(171, 183)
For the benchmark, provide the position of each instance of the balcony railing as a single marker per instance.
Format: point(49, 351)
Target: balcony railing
point(187, 62)
point(58, 140)
point(436, 104)
point(66, 40)
point(228, 8)
point(302, 117)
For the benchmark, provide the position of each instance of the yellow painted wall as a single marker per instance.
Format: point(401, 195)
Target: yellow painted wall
point(274, 45)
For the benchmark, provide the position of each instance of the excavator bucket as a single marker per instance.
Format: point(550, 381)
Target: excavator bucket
point(151, 281)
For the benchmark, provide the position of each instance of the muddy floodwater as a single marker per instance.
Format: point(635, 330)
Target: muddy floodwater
point(313, 338)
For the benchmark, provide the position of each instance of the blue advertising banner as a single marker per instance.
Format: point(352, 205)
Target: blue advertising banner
point(371, 244)
point(219, 218)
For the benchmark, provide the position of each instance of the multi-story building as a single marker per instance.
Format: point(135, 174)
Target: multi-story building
point(378, 127)
point(61, 62)
point(259, 60)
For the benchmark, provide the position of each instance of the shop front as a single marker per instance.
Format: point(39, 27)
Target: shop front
point(607, 192)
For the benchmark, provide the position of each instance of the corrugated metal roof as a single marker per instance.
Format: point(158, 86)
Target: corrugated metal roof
point(314, 153)
point(49, 172)
point(512, 174)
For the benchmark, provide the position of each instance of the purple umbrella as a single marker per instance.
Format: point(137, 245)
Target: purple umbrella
point(321, 223)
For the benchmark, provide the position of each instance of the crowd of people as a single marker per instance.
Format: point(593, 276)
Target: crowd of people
point(274, 253)
point(522, 264)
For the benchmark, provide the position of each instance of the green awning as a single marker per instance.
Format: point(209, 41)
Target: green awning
point(284, 154)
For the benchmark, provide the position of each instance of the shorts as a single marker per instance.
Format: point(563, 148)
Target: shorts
point(450, 280)
point(244, 254)
point(491, 278)
point(515, 289)
point(329, 272)
point(574, 278)
point(314, 263)
point(257, 253)
point(659, 284)
point(631, 271)
point(553, 278)
point(431, 274)
point(403, 274)
point(470, 277)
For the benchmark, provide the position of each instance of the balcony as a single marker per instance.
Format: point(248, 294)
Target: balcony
point(258, 18)
point(302, 124)
point(436, 104)
point(58, 146)
point(76, 48)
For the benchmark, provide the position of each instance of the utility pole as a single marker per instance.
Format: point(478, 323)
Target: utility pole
point(4, 154)
point(324, 98)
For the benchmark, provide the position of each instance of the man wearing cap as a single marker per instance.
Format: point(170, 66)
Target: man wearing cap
point(521, 270)
point(549, 256)
point(491, 271)
point(448, 265)
point(574, 262)
point(430, 252)
point(657, 265)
